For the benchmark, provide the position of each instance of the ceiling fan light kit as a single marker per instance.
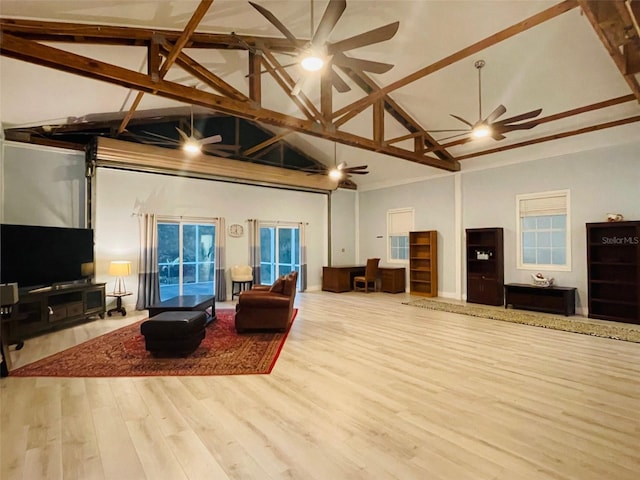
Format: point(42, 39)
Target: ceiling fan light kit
point(480, 131)
point(312, 61)
point(191, 147)
point(335, 174)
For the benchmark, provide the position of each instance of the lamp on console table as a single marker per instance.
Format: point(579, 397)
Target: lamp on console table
point(119, 269)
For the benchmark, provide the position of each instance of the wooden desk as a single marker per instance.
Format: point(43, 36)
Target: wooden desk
point(340, 279)
point(560, 300)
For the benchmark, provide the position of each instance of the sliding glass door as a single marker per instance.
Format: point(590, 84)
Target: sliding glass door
point(279, 251)
point(186, 258)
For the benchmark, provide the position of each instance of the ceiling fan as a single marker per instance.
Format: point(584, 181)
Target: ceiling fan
point(340, 170)
point(319, 52)
point(489, 126)
point(192, 143)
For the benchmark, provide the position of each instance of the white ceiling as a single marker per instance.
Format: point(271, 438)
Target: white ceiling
point(556, 66)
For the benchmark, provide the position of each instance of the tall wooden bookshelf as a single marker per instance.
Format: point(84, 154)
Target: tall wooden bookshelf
point(485, 266)
point(613, 264)
point(423, 263)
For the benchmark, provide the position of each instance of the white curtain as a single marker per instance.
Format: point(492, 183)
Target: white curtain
point(221, 253)
point(254, 249)
point(148, 277)
point(303, 256)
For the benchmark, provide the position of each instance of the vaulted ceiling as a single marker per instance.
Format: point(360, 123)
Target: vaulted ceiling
point(78, 66)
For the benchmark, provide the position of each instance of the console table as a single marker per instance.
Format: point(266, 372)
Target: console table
point(561, 300)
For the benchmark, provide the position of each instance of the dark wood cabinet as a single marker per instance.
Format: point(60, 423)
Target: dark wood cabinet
point(48, 309)
point(392, 280)
point(613, 264)
point(561, 300)
point(485, 266)
point(423, 263)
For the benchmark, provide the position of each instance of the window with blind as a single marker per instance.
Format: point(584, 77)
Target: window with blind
point(543, 231)
point(399, 224)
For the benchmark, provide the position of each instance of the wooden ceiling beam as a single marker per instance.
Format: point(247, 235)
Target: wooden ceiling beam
point(200, 72)
point(195, 19)
point(353, 109)
point(45, 55)
point(397, 113)
point(614, 26)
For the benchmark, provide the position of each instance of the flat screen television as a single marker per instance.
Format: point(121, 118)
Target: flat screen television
point(38, 256)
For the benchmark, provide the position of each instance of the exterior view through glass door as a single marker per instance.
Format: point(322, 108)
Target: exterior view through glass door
point(186, 258)
point(279, 251)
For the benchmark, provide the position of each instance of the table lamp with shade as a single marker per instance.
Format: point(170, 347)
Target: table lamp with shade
point(119, 269)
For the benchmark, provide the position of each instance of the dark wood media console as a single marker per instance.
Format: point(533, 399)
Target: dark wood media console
point(47, 309)
point(561, 300)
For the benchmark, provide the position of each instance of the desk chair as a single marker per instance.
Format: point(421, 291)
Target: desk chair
point(242, 278)
point(370, 276)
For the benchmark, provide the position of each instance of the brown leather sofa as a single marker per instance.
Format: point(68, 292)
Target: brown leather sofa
point(267, 308)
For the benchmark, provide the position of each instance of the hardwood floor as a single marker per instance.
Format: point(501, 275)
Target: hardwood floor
point(365, 388)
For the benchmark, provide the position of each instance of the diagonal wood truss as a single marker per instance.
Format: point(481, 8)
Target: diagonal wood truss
point(25, 40)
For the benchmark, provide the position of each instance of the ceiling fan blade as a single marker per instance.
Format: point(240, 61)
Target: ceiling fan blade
point(461, 119)
point(338, 83)
point(331, 15)
point(183, 135)
point(355, 172)
point(497, 135)
point(275, 22)
point(493, 116)
point(216, 151)
point(440, 140)
point(517, 126)
point(341, 165)
point(212, 139)
point(359, 64)
point(157, 135)
point(376, 35)
point(522, 116)
point(358, 167)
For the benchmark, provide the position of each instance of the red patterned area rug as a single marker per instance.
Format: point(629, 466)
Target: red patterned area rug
point(121, 353)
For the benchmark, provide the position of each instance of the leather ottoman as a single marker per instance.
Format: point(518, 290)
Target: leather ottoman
point(174, 332)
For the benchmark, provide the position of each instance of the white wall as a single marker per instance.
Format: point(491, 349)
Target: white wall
point(434, 207)
point(42, 186)
point(343, 227)
point(599, 181)
point(121, 195)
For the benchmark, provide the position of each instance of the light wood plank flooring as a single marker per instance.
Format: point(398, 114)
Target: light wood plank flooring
point(365, 388)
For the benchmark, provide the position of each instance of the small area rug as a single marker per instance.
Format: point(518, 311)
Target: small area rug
point(567, 324)
point(121, 353)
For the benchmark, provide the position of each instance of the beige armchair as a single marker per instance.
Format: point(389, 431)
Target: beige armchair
point(241, 279)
